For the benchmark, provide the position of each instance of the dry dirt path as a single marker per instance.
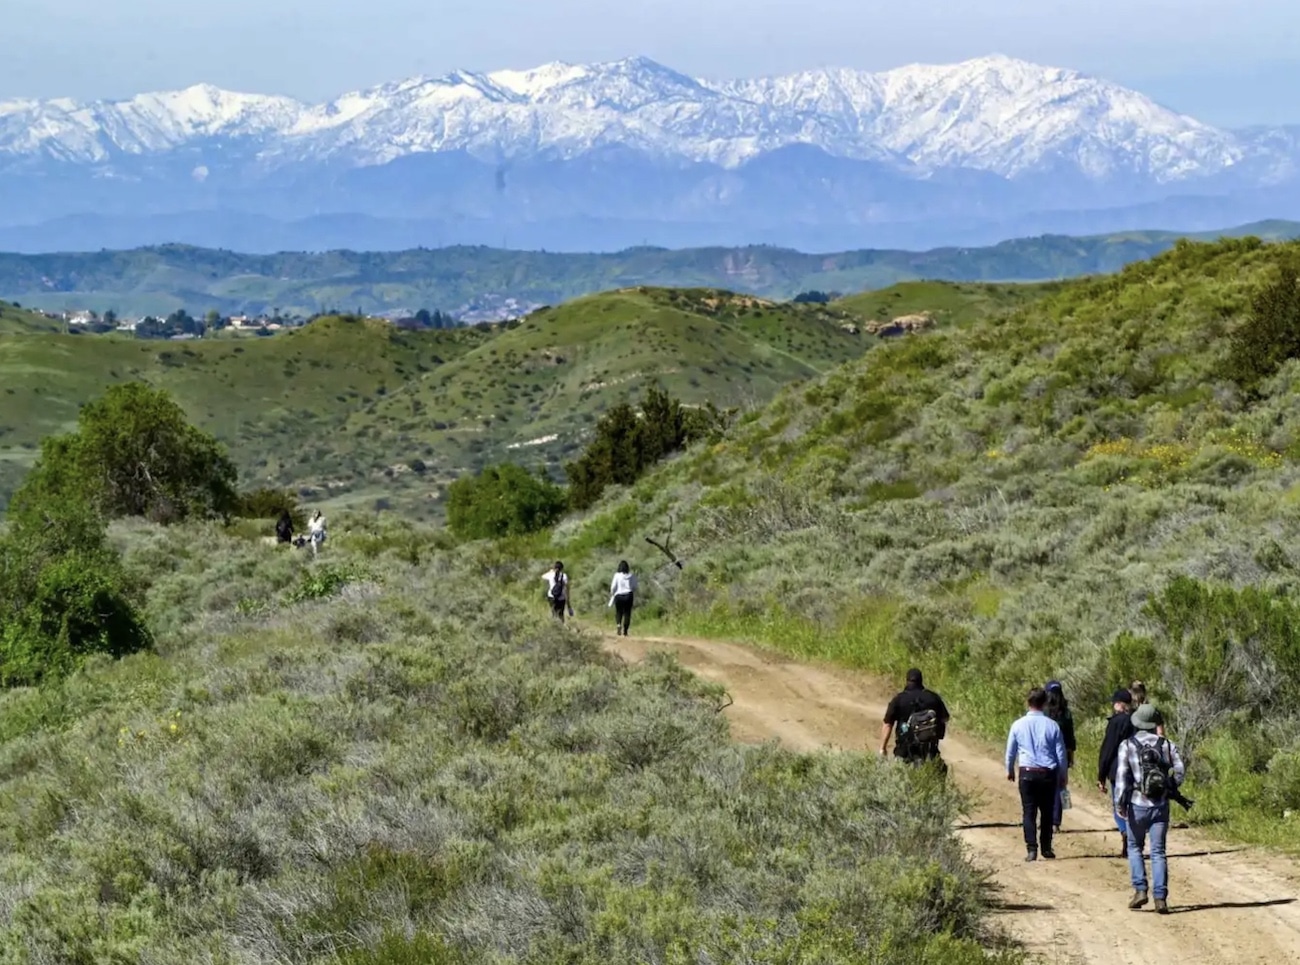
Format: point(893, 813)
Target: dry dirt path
point(1228, 905)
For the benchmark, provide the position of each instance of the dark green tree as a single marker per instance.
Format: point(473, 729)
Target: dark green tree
point(503, 500)
point(134, 454)
point(1271, 333)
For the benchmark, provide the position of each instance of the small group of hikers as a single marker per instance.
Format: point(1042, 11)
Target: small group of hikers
point(622, 588)
point(1137, 762)
point(315, 531)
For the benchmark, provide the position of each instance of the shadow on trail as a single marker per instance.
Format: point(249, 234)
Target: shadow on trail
point(1171, 856)
point(1224, 905)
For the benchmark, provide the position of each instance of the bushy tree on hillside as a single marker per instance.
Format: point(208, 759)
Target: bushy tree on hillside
point(134, 454)
point(627, 443)
point(503, 500)
point(269, 504)
point(1271, 334)
point(63, 593)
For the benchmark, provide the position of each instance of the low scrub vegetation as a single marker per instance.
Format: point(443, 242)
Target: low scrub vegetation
point(335, 761)
point(1090, 488)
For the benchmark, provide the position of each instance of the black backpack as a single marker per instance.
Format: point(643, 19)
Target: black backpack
point(922, 728)
point(557, 588)
point(1153, 780)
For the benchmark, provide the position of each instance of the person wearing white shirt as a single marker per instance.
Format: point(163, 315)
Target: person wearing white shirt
point(316, 531)
point(621, 589)
point(557, 590)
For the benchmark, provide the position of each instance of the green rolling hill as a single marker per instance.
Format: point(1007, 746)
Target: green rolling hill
point(162, 279)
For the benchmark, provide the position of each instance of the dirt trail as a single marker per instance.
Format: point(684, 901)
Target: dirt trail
point(1228, 905)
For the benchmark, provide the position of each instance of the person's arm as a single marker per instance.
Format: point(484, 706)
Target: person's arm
point(1062, 758)
point(1013, 748)
point(1106, 756)
point(1123, 782)
point(1071, 745)
point(631, 583)
point(1178, 771)
point(891, 715)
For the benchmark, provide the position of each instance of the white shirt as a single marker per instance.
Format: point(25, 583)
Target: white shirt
point(549, 577)
point(622, 583)
point(317, 524)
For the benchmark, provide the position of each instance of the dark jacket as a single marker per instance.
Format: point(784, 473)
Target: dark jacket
point(907, 703)
point(1119, 728)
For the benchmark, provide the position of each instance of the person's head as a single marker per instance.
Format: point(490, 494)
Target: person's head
point(1054, 687)
point(914, 679)
point(284, 514)
point(623, 567)
point(1120, 701)
point(559, 567)
point(1037, 699)
point(1148, 718)
point(1138, 690)
point(318, 514)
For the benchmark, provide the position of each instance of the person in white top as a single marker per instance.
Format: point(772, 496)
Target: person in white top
point(316, 531)
point(621, 589)
point(557, 590)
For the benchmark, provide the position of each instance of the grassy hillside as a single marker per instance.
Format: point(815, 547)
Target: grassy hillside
point(347, 408)
point(1013, 500)
point(339, 763)
point(19, 321)
point(161, 279)
point(273, 401)
point(950, 303)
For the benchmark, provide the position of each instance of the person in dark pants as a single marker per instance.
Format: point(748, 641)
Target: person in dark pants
point(621, 590)
point(1119, 728)
point(284, 527)
point(1058, 708)
point(1038, 746)
point(912, 701)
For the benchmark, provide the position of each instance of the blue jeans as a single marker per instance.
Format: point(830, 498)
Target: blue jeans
point(1119, 821)
point(1141, 822)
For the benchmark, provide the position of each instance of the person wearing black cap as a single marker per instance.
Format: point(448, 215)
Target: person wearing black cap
point(920, 718)
point(1119, 728)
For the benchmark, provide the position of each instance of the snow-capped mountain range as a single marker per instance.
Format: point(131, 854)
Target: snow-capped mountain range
point(635, 142)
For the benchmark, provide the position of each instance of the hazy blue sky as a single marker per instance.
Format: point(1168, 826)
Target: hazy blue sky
point(1226, 61)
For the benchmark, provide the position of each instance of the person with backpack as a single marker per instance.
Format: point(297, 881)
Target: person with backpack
point(921, 719)
point(621, 590)
point(557, 590)
point(1150, 770)
point(284, 527)
point(1119, 728)
point(1058, 708)
point(316, 532)
point(1038, 746)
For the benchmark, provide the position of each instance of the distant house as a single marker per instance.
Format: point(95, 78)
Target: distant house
point(80, 318)
point(128, 325)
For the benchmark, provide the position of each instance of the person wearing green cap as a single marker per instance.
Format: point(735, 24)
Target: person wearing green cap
point(1150, 770)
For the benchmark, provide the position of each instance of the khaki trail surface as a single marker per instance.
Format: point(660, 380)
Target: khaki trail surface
point(1227, 904)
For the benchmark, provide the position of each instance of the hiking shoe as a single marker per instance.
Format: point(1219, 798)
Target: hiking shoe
point(1138, 900)
point(1049, 854)
point(1032, 855)
point(1162, 907)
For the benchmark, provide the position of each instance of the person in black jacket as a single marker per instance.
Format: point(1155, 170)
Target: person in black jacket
point(1058, 708)
point(912, 700)
point(1119, 728)
point(284, 527)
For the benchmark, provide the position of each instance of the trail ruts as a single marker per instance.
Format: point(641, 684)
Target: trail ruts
point(1228, 905)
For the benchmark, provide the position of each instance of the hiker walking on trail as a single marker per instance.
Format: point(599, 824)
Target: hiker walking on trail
point(621, 590)
point(557, 590)
point(316, 531)
point(1119, 728)
point(1150, 770)
point(1038, 746)
point(921, 720)
point(284, 527)
point(1058, 708)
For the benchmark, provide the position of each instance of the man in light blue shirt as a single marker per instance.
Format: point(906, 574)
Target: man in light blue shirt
point(1038, 746)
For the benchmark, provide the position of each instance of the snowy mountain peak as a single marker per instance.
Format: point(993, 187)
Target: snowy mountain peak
point(995, 114)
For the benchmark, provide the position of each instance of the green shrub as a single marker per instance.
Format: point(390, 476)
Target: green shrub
point(1271, 333)
point(134, 454)
point(501, 501)
point(63, 595)
point(269, 503)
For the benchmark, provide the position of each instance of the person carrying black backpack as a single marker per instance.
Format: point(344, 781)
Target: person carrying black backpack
point(1058, 709)
point(921, 719)
point(1150, 770)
